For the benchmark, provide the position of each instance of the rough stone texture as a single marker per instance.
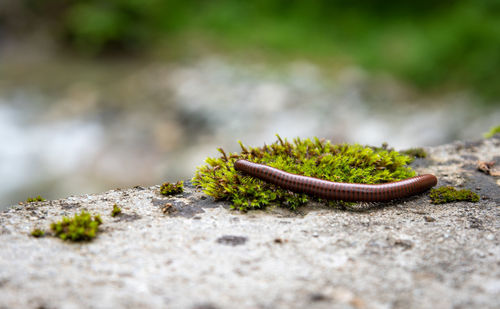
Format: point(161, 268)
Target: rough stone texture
point(198, 253)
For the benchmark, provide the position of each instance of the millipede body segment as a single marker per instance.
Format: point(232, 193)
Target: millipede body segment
point(337, 190)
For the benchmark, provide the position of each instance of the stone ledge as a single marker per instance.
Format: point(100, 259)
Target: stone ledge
point(201, 254)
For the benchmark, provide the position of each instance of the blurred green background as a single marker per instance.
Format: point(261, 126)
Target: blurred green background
point(432, 45)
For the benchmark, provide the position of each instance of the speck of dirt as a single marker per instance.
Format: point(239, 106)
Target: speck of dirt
point(280, 240)
point(231, 240)
point(317, 297)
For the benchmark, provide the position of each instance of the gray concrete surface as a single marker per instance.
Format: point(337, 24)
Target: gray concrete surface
point(201, 254)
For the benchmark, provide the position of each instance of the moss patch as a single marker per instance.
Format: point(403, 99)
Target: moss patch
point(449, 194)
point(172, 188)
point(415, 153)
point(116, 211)
point(309, 157)
point(35, 199)
point(37, 233)
point(492, 132)
point(82, 227)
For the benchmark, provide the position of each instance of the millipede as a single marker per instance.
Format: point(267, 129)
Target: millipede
point(349, 192)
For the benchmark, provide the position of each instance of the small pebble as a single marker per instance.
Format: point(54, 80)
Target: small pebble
point(429, 219)
point(405, 243)
point(167, 208)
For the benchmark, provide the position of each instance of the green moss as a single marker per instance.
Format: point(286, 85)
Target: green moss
point(172, 188)
point(82, 227)
point(415, 152)
point(116, 211)
point(492, 132)
point(35, 199)
point(309, 157)
point(449, 194)
point(37, 233)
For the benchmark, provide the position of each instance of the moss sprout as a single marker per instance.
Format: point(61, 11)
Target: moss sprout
point(309, 157)
point(82, 227)
point(35, 199)
point(116, 211)
point(415, 153)
point(172, 188)
point(449, 194)
point(492, 132)
point(37, 233)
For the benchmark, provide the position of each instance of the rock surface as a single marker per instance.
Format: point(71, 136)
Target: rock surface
point(197, 253)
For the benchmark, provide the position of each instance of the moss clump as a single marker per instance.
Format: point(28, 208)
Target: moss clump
point(37, 233)
point(116, 211)
point(35, 199)
point(492, 132)
point(172, 188)
point(449, 194)
point(309, 157)
point(415, 153)
point(82, 227)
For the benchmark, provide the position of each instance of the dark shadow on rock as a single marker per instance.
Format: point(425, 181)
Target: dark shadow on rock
point(421, 163)
point(176, 208)
point(176, 205)
point(484, 185)
point(127, 217)
point(68, 206)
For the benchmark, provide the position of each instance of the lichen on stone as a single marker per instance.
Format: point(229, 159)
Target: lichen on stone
point(82, 227)
point(308, 157)
point(168, 188)
point(449, 194)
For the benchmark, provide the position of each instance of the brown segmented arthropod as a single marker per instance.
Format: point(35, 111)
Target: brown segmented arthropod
point(338, 190)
